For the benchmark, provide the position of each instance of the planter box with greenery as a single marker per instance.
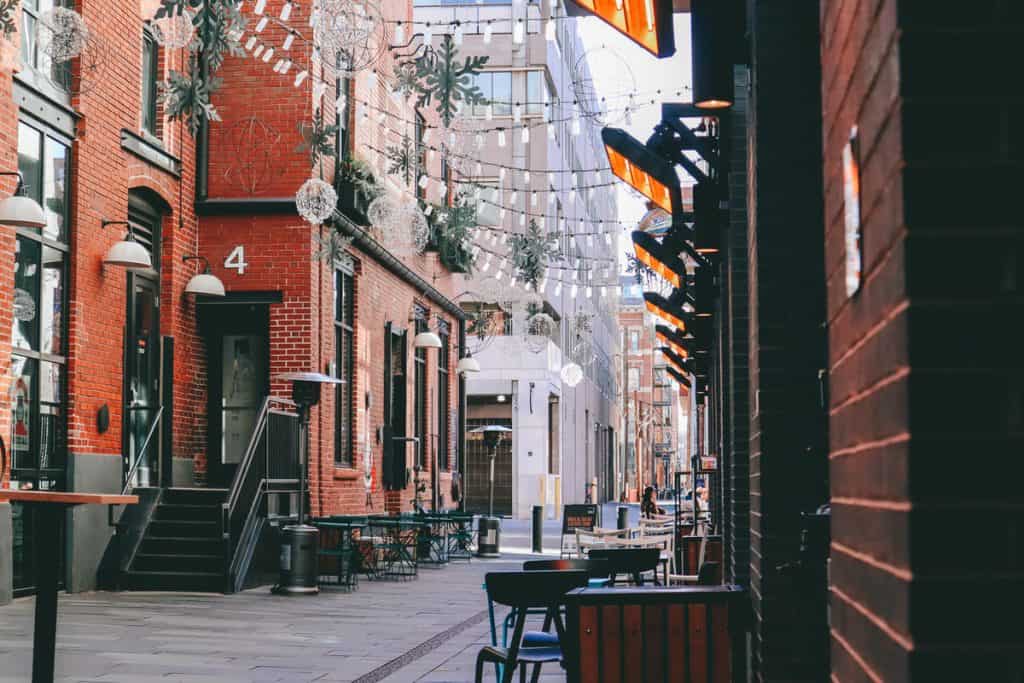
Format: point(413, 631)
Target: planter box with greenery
point(357, 188)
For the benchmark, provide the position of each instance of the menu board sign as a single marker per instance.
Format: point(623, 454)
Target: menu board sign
point(578, 517)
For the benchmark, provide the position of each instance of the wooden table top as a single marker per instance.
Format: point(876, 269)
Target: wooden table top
point(66, 498)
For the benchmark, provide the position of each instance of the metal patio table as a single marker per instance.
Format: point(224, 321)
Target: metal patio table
point(49, 508)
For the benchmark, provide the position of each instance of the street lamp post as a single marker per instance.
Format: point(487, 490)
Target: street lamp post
point(299, 541)
point(488, 531)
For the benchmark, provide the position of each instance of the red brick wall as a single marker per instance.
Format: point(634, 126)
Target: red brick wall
point(868, 349)
point(907, 602)
point(102, 175)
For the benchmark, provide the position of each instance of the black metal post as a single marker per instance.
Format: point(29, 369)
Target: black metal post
point(622, 522)
point(538, 528)
point(46, 519)
point(303, 450)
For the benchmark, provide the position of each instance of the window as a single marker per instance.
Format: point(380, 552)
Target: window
point(420, 388)
point(443, 403)
point(496, 87)
point(150, 65)
point(344, 352)
point(342, 94)
point(31, 53)
point(421, 156)
point(634, 340)
point(538, 92)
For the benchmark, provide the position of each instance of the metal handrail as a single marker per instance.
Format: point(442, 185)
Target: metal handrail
point(142, 452)
point(250, 451)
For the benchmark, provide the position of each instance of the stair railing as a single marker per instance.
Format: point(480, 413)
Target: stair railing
point(129, 480)
point(268, 466)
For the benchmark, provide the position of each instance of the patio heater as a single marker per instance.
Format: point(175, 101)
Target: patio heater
point(489, 527)
point(299, 541)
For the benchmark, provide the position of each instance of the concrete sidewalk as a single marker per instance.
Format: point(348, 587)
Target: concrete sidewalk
point(427, 629)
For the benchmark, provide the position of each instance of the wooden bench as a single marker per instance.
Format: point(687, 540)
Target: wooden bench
point(652, 635)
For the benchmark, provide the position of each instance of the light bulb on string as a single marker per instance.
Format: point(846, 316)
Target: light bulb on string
point(533, 199)
point(549, 30)
point(489, 112)
point(289, 40)
point(262, 24)
point(261, 5)
point(287, 66)
point(457, 34)
point(551, 180)
point(517, 32)
point(479, 141)
point(558, 287)
point(428, 35)
point(526, 178)
point(526, 135)
point(286, 11)
point(300, 77)
point(572, 291)
point(517, 113)
point(250, 44)
point(514, 197)
point(268, 55)
point(501, 175)
point(314, 17)
point(423, 181)
point(522, 219)
point(488, 32)
point(575, 130)
point(501, 137)
point(278, 66)
point(400, 33)
point(589, 291)
point(257, 52)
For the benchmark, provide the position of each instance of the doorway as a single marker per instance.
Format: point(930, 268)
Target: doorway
point(238, 378)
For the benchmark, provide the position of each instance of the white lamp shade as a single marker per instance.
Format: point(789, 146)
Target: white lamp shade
point(205, 283)
point(128, 254)
point(427, 340)
point(467, 364)
point(22, 212)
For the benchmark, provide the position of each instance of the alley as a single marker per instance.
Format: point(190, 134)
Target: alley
point(427, 629)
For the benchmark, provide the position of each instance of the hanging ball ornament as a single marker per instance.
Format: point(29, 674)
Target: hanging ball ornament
point(383, 214)
point(62, 34)
point(539, 329)
point(316, 201)
point(572, 374)
point(605, 103)
point(174, 32)
point(350, 33)
point(419, 228)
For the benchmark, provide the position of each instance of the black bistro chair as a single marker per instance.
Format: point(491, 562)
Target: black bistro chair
point(634, 562)
point(595, 569)
point(523, 592)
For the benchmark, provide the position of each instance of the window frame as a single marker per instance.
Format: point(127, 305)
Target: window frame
point(444, 461)
point(148, 110)
point(344, 359)
point(419, 420)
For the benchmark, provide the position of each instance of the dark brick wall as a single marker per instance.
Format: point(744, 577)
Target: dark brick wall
point(930, 324)
point(787, 462)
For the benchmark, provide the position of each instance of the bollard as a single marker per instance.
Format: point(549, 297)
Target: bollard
point(538, 528)
point(623, 518)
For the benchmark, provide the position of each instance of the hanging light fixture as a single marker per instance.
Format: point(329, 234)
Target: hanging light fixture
point(707, 219)
point(426, 340)
point(467, 364)
point(684, 366)
point(19, 211)
point(206, 282)
point(712, 64)
point(127, 253)
point(645, 171)
point(646, 22)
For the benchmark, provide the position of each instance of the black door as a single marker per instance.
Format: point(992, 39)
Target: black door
point(395, 390)
point(142, 379)
point(238, 376)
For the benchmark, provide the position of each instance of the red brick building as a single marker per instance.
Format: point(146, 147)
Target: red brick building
point(99, 357)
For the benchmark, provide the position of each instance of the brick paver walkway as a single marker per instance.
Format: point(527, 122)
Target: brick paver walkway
point(428, 629)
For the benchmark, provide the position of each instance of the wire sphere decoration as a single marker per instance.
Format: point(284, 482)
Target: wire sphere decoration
point(581, 339)
point(540, 328)
point(602, 83)
point(384, 218)
point(350, 34)
point(415, 234)
point(175, 31)
point(61, 34)
point(316, 201)
point(571, 374)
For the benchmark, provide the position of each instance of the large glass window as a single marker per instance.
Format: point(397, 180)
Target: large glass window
point(32, 54)
point(344, 348)
point(496, 87)
point(538, 92)
point(150, 65)
point(420, 397)
point(37, 426)
point(443, 405)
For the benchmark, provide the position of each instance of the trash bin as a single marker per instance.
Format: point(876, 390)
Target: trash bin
point(298, 560)
point(488, 532)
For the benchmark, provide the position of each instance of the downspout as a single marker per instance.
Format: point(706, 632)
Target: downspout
point(461, 441)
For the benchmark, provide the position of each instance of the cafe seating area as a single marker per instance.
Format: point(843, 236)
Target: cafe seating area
point(389, 547)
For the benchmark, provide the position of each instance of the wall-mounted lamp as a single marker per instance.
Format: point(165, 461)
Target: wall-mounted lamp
point(20, 211)
point(648, 23)
point(659, 258)
point(467, 364)
point(426, 340)
point(712, 59)
point(667, 310)
point(127, 253)
point(205, 282)
point(644, 170)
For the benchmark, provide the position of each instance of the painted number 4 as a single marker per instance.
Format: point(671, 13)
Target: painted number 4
point(236, 260)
